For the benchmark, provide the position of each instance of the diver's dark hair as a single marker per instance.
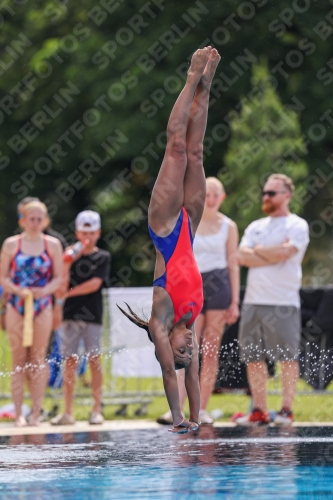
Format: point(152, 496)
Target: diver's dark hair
point(141, 323)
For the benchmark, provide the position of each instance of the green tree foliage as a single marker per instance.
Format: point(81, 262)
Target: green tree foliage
point(87, 88)
point(266, 138)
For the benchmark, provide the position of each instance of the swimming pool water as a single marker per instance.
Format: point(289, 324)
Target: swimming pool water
point(260, 463)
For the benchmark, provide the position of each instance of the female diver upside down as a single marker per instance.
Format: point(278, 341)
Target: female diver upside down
point(173, 221)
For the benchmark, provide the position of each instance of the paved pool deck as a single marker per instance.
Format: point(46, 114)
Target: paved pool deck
point(8, 429)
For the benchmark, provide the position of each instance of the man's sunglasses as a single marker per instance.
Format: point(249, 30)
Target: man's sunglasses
point(271, 193)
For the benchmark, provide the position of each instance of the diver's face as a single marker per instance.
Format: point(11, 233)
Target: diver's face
point(181, 342)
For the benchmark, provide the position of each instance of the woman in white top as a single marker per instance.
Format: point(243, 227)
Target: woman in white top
point(215, 245)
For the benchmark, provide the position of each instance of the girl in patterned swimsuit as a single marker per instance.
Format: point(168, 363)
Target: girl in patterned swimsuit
point(174, 214)
point(31, 261)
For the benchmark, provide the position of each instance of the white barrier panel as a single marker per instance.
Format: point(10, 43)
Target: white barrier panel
point(137, 355)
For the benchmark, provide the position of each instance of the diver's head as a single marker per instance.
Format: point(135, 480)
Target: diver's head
point(180, 338)
point(181, 341)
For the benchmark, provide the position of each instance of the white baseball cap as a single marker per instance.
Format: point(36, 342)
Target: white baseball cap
point(88, 221)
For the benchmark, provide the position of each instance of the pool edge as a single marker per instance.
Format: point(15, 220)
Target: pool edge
point(8, 429)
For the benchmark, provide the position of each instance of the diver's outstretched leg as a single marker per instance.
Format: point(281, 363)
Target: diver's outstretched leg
point(194, 182)
point(168, 193)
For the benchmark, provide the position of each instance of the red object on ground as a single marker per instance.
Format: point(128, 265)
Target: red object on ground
point(258, 416)
point(7, 415)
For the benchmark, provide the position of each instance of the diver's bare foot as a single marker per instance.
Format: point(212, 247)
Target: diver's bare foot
point(209, 71)
point(20, 422)
point(198, 63)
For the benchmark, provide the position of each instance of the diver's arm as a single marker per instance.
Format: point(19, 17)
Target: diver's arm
point(192, 383)
point(165, 357)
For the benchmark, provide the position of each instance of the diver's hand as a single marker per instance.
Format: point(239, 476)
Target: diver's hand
point(184, 427)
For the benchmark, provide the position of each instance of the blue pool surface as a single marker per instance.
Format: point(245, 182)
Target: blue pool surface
point(213, 463)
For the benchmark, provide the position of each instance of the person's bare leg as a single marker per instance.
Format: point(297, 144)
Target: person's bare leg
point(71, 364)
point(46, 374)
point(211, 343)
point(96, 381)
point(168, 193)
point(199, 326)
point(290, 375)
point(257, 374)
point(38, 368)
point(14, 324)
point(194, 181)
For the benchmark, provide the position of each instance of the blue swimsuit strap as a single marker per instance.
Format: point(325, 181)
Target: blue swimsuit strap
point(167, 244)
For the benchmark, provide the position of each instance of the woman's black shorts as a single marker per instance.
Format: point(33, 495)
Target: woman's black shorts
point(216, 290)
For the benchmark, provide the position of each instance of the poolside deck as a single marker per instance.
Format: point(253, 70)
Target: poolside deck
point(8, 429)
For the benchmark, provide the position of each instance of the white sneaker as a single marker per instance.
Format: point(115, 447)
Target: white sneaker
point(205, 418)
point(216, 414)
point(284, 417)
point(96, 418)
point(62, 419)
point(165, 419)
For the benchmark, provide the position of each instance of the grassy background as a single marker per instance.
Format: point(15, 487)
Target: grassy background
point(307, 408)
point(312, 407)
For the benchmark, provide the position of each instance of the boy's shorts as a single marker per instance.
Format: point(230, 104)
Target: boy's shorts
point(74, 331)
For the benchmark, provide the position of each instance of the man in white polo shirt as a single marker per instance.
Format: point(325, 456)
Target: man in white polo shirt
point(272, 248)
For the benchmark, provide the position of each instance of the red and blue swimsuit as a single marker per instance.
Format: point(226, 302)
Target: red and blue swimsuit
point(182, 279)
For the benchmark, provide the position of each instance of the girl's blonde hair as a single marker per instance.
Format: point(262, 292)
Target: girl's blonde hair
point(39, 206)
point(216, 182)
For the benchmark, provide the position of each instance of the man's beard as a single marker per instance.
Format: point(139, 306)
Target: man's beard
point(268, 208)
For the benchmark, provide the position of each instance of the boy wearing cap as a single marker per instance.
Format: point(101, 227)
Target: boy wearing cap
point(82, 313)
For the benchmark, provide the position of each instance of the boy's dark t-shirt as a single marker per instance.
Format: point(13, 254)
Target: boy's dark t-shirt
point(55, 234)
point(88, 307)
